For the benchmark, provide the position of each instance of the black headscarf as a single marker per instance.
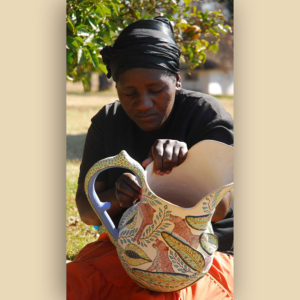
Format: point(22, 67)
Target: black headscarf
point(143, 44)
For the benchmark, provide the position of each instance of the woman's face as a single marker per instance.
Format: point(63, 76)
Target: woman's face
point(147, 96)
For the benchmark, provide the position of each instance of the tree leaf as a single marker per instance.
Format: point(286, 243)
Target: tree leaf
point(89, 39)
point(79, 40)
point(83, 32)
point(103, 68)
point(115, 7)
point(92, 23)
point(70, 25)
point(72, 44)
point(70, 57)
point(187, 2)
point(86, 83)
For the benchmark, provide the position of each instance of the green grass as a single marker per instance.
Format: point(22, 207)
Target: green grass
point(78, 234)
point(80, 108)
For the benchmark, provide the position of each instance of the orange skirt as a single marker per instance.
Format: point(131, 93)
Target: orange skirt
point(96, 273)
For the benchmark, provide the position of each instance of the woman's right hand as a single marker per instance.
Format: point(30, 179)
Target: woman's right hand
point(127, 190)
point(166, 154)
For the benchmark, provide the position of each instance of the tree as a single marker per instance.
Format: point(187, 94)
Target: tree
point(93, 24)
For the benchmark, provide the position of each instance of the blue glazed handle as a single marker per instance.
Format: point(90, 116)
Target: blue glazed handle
point(122, 160)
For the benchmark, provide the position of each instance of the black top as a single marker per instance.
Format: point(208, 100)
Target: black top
point(195, 117)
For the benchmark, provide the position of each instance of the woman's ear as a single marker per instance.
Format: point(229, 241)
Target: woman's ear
point(178, 82)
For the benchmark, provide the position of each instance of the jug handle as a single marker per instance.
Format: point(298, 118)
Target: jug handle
point(122, 160)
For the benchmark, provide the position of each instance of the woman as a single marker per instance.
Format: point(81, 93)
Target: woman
point(154, 120)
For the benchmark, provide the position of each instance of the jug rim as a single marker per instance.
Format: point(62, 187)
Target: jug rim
point(194, 206)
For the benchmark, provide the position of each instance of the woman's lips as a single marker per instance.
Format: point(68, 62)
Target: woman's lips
point(146, 117)
point(148, 121)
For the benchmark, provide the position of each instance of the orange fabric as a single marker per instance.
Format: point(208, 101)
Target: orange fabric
point(96, 274)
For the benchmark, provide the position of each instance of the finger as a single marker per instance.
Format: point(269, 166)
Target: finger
point(126, 197)
point(147, 161)
point(128, 188)
point(175, 157)
point(175, 161)
point(132, 182)
point(124, 200)
point(182, 154)
point(167, 157)
point(157, 153)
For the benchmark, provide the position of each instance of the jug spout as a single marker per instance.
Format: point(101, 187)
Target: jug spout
point(209, 202)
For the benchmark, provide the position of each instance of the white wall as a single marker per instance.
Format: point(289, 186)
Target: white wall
point(214, 82)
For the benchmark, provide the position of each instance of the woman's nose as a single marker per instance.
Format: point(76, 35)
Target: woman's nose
point(145, 102)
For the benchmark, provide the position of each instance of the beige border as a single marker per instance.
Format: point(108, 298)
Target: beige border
point(267, 149)
point(33, 150)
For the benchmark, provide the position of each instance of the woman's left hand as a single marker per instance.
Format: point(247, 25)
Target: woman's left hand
point(166, 154)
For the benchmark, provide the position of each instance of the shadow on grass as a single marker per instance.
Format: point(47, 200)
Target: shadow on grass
point(75, 145)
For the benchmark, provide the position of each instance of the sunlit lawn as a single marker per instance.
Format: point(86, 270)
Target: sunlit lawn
point(80, 108)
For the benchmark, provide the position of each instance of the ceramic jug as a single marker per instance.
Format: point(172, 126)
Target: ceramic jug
point(165, 241)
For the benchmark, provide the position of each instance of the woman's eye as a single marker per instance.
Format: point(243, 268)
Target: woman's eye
point(130, 95)
point(156, 91)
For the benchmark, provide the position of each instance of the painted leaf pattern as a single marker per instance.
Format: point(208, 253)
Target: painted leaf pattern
point(198, 222)
point(135, 256)
point(190, 256)
point(131, 222)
